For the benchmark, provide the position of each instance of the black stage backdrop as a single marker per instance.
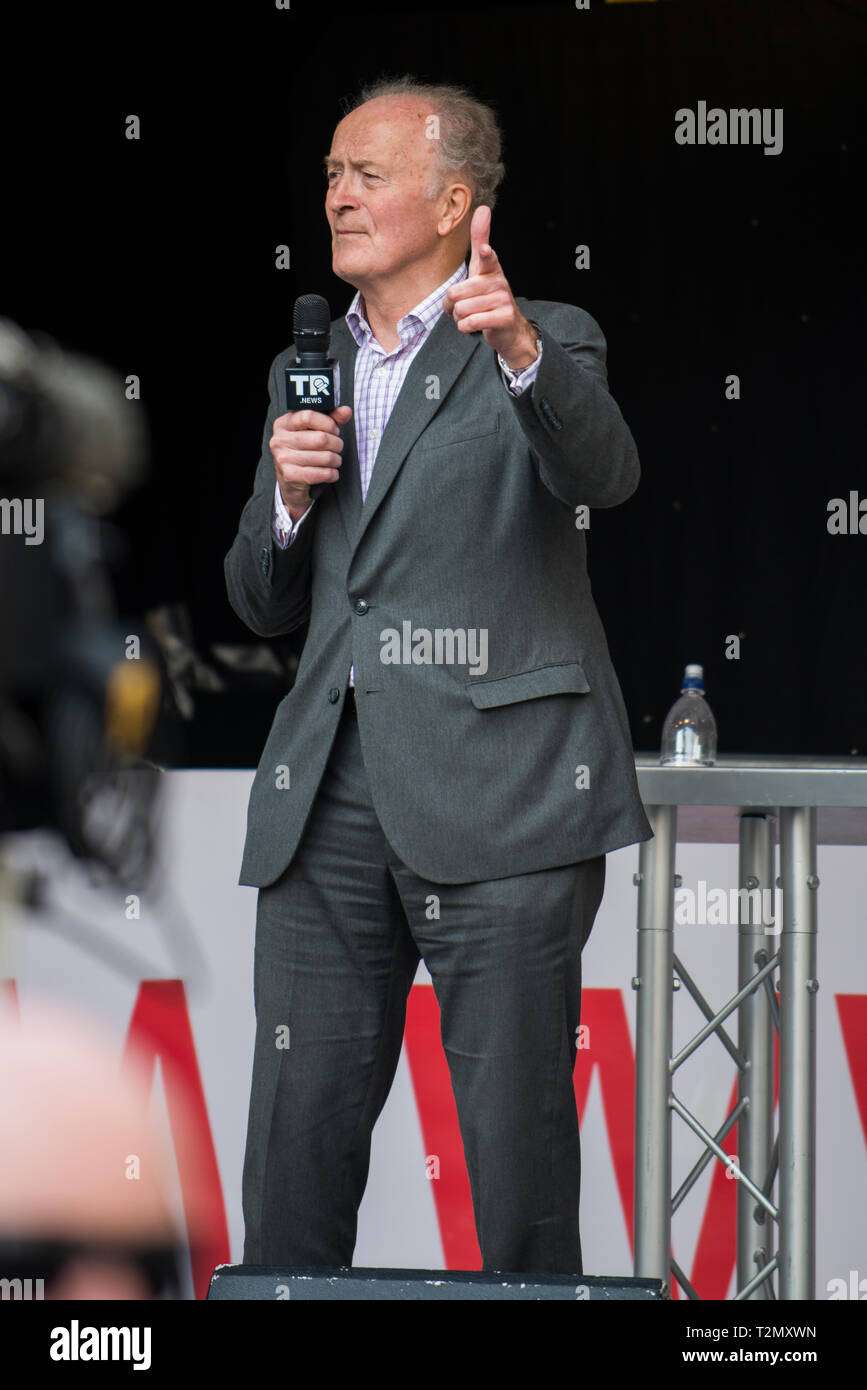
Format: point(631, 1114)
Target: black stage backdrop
point(158, 255)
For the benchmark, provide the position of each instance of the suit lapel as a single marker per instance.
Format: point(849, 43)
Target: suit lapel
point(444, 355)
point(348, 485)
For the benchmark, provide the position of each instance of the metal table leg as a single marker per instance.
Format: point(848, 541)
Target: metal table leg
point(798, 985)
point(756, 945)
point(653, 1046)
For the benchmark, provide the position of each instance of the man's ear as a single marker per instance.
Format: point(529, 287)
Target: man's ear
point(458, 192)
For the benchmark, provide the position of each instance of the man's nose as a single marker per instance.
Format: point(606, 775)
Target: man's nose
point(340, 195)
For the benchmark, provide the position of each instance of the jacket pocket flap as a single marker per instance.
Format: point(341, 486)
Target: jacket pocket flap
point(528, 685)
point(460, 432)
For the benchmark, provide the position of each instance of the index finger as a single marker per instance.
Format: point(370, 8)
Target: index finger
point(307, 419)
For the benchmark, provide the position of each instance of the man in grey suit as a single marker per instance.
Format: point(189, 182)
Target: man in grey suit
point(454, 760)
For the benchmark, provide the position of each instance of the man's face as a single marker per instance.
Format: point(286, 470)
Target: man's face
point(378, 170)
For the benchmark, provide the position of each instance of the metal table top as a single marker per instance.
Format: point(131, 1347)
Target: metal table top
point(749, 780)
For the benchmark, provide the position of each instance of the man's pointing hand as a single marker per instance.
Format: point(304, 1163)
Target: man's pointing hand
point(483, 302)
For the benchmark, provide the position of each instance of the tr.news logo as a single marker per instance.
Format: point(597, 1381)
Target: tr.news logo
point(319, 385)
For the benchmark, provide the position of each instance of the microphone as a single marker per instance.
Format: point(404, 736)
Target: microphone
point(311, 381)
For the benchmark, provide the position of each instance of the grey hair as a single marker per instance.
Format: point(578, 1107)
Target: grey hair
point(469, 133)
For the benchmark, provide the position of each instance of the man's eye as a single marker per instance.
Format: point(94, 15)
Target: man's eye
point(333, 173)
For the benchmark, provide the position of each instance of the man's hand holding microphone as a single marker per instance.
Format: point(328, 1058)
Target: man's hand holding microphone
point(306, 448)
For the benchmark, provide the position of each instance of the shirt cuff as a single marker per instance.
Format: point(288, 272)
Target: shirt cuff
point(518, 382)
point(283, 529)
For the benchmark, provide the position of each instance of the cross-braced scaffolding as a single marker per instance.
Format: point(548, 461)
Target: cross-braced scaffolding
point(776, 995)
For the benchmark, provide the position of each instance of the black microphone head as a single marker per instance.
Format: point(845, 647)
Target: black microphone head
point(311, 325)
point(312, 315)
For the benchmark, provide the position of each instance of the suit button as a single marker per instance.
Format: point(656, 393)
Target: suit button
point(362, 605)
point(266, 560)
point(333, 695)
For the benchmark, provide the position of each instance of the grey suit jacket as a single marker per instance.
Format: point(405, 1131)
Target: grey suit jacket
point(468, 526)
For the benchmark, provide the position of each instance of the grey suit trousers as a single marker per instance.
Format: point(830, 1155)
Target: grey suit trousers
point(338, 939)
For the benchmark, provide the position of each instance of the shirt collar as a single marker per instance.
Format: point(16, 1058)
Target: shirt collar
point(418, 320)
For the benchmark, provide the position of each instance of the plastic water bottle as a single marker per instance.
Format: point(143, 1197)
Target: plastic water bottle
point(689, 731)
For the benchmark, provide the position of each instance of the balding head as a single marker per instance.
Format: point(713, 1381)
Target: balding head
point(396, 216)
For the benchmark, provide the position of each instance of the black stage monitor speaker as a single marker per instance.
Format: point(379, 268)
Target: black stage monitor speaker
point(276, 1282)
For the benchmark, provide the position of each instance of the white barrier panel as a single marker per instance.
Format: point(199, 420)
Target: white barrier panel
point(116, 958)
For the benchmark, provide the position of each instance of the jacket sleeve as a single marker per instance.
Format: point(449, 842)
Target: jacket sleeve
point(269, 587)
point(583, 447)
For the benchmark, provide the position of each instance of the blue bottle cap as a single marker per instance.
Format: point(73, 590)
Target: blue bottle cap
point(693, 678)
